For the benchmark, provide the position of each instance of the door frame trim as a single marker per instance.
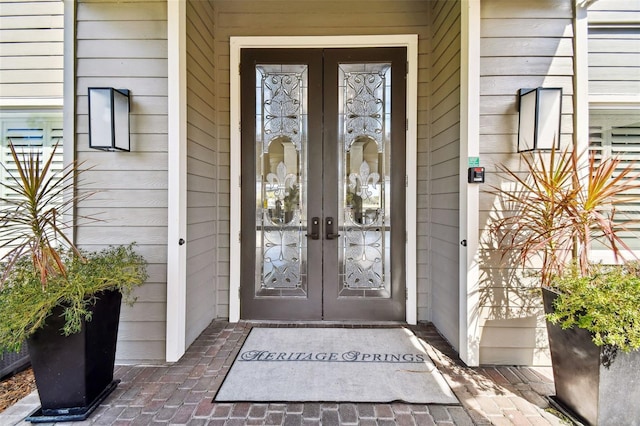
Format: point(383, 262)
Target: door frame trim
point(176, 311)
point(410, 41)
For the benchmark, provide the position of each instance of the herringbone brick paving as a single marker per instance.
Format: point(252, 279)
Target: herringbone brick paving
point(182, 393)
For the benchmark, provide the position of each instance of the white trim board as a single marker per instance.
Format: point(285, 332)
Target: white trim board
point(177, 182)
point(581, 78)
point(469, 272)
point(40, 103)
point(68, 104)
point(410, 41)
point(613, 101)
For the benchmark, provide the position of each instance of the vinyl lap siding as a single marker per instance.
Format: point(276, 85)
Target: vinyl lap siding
point(439, 173)
point(614, 48)
point(201, 170)
point(523, 45)
point(617, 12)
point(303, 18)
point(31, 49)
point(124, 45)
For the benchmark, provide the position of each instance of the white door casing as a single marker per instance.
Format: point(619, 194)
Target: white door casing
point(177, 181)
point(409, 41)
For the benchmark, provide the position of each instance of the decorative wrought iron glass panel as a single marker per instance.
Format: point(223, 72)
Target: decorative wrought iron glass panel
point(365, 122)
point(281, 154)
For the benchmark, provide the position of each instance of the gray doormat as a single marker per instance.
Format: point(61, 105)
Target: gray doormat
point(334, 365)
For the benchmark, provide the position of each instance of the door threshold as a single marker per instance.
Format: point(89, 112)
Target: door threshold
point(320, 323)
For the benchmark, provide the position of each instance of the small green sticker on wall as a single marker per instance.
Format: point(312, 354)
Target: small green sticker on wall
point(474, 161)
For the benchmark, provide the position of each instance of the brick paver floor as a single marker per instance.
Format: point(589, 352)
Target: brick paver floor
point(181, 393)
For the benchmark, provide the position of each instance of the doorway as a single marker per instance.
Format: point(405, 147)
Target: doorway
point(323, 184)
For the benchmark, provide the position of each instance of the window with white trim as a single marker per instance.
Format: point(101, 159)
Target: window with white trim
point(29, 132)
point(616, 132)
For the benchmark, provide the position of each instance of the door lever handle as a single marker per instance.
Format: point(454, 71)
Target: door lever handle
point(330, 234)
point(315, 229)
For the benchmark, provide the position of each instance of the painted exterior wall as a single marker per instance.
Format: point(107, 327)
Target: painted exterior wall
point(614, 48)
point(31, 50)
point(526, 46)
point(31, 63)
point(438, 171)
point(523, 45)
point(202, 170)
point(124, 45)
point(291, 17)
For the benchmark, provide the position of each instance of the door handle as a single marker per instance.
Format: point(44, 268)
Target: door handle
point(329, 229)
point(315, 229)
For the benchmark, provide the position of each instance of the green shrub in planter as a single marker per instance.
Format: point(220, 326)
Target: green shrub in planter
point(50, 289)
point(41, 268)
point(551, 215)
point(605, 302)
point(25, 304)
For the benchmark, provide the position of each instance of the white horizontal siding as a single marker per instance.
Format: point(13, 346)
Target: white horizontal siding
point(132, 187)
point(441, 167)
point(201, 171)
point(31, 49)
point(618, 12)
point(524, 45)
point(614, 48)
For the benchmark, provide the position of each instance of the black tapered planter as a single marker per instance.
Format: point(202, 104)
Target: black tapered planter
point(591, 392)
point(75, 373)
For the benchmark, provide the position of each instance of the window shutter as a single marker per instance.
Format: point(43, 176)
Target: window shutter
point(617, 133)
point(29, 132)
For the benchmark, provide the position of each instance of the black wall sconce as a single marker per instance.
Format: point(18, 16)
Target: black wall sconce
point(539, 123)
point(109, 119)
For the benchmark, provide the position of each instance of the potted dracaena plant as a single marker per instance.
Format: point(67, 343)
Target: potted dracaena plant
point(63, 301)
point(557, 209)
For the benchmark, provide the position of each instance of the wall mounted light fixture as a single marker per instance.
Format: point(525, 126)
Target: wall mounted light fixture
point(539, 123)
point(109, 119)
